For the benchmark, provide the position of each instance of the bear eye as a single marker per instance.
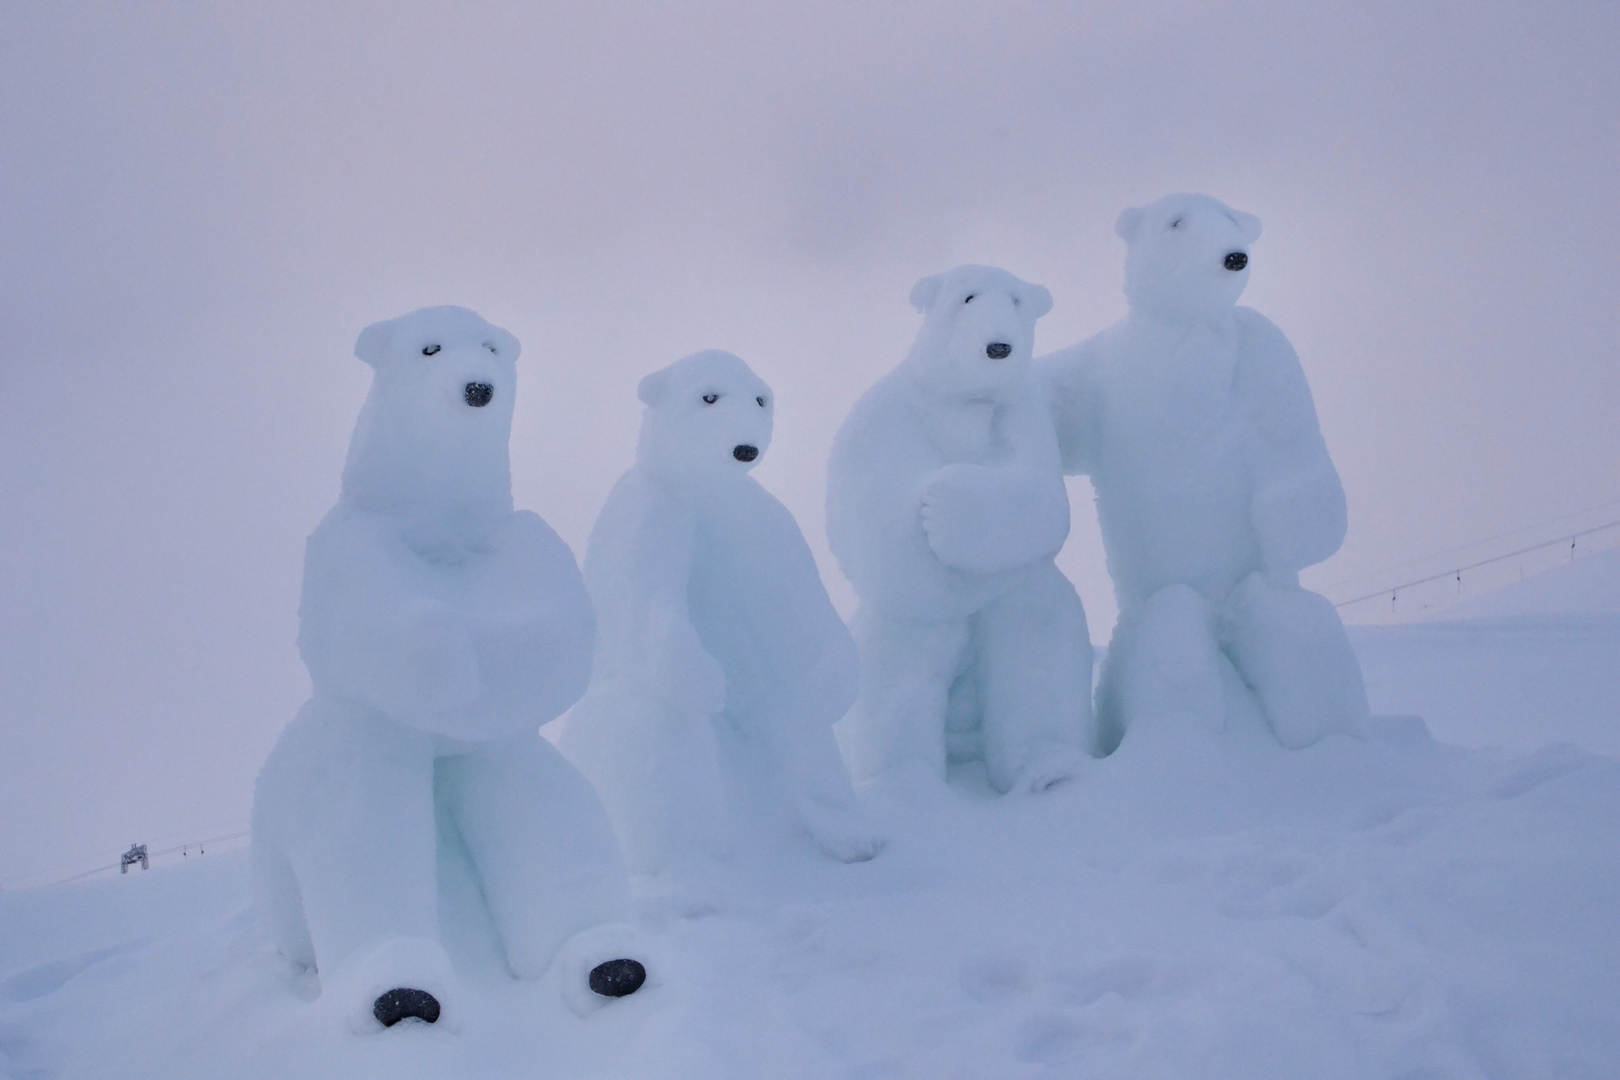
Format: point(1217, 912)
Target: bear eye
point(1175, 223)
point(710, 399)
point(1017, 302)
point(430, 350)
point(761, 402)
point(491, 348)
point(970, 297)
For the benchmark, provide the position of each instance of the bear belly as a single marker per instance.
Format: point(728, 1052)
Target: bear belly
point(1174, 515)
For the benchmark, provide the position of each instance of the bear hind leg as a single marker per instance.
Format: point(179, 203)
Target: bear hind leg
point(1034, 659)
point(541, 844)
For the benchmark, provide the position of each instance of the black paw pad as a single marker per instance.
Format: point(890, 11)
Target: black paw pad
point(618, 978)
point(403, 1003)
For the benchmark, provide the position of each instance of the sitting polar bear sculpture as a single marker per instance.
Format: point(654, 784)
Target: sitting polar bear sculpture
point(721, 664)
point(945, 507)
point(440, 629)
point(1214, 489)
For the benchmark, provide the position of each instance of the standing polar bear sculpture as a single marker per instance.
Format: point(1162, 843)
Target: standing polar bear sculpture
point(1214, 489)
point(440, 629)
point(945, 507)
point(720, 664)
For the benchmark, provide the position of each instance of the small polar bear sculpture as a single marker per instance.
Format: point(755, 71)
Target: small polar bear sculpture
point(945, 507)
point(440, 629)
point(721, 664)
point(1214, 489)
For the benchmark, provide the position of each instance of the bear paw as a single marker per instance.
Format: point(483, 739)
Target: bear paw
point(1046, 767)
point(403, 1003)
point(397, 979)
point(617, 978)
point(599, 965)
point(840, 832)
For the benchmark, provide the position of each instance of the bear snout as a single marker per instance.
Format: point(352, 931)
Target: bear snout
point(1236, 260)
point(478, 394)
point(998, 350)
point(745, 452)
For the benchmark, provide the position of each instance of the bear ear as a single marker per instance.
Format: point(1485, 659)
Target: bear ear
point(1128, 223)
point(373, 342)
point(1248, 225)
point(1040, 299)
point(651, 390)
point(924, 293)
point(508, 345)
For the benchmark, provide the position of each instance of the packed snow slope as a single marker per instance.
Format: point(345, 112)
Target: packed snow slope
point(1194, 906)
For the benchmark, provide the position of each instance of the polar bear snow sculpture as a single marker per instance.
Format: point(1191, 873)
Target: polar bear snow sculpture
point(1214, 489)
point(440, 629)
point(721, 664)
point(945, 507)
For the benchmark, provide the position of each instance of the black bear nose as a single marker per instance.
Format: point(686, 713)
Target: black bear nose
point(1236, 260)
point(478, 394)
point(998, 350)
point(745, 452)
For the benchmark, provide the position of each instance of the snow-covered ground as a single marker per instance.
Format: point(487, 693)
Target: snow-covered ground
point(1197, 906)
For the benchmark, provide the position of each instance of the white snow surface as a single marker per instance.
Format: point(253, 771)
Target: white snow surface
point(1190, 908)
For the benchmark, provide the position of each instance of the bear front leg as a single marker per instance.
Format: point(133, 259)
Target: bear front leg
point(898, 719)
point(1290, 646)
point(344, 806)
point(1034, 657)
point(541, 843)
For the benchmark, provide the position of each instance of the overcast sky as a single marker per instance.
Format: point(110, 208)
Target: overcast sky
point(202, 204)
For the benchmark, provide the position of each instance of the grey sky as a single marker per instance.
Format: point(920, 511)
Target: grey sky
point(201, 205)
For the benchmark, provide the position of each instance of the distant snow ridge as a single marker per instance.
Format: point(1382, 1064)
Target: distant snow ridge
point(1214, 487)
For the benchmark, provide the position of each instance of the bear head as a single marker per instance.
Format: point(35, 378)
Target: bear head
point(1187, 256)
point(705, 413)
point(978, 332)
point(431, 441)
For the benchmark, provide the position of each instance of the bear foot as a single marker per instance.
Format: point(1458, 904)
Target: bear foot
point(1047, 766)
point(840, 831)
point(618, 978)
point(403, 1003)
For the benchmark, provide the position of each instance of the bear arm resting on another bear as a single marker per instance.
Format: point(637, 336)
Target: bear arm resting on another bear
point(1298, 507)
point(1066, 376)
point(371, 630)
